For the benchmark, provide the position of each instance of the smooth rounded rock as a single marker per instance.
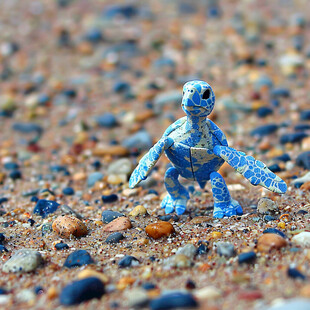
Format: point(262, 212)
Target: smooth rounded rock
point(109, 198)
point(137, 211)
point(128, 261)
point(120, 223)
point(45, 207)
point(81, 291)
point(114, 238)
point(302, 239)
point(266, 205)
point(23, 260)
point(247, 258)
point(225, 249)
point(120, 166)
point(159, 229)
point(66, 226)
point(78, 258)
point(108, 216)
point(174, 300)
point(93, 178)
point(268, 242)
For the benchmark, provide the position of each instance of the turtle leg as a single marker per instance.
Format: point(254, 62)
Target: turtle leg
point(224, 205)
point(178, 196)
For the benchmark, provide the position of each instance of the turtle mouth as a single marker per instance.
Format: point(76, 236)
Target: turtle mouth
point(194, 106)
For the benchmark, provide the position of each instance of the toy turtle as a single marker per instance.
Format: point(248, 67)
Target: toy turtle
point(197, 148)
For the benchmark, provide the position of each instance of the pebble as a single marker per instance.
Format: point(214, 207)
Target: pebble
point(87, 273)
point(67, 210)
point(2, 238)
point(293, 137)
point(45, 207)
point(108, 216)
point(188, 250)
point(137, 211)
point(266, 206)
point(303, 160)
point(81, 291)
point(305, 115)
point(178, 261)
point(66, 226)
point(68, 191)
point(247, 258)
point(207, 293)
point(302, 239)
point(78, 258)
point(120, 166)
point(268, 242)
point(24, 260)
point(61, 246)
point(93, 178)
point(304, 179)
point(15, 175)
point(137, 298)
point(107, 120)
point(295, 273)
point(225, 249)
point(109, 198)
point(114, 238)
point(46, 228)
point(140, 141)
point(174, 300)
point(159, 229)
point(264, 130)
point(291, 304)
point(202, 248)
point(120, 223)
point(3, 249)
point(274, 231)
point(128, 261)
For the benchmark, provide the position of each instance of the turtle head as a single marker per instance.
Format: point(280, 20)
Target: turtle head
point(198, 98)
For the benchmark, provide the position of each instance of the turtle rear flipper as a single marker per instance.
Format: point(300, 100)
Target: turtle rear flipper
point(148, 161)
point(254, 170)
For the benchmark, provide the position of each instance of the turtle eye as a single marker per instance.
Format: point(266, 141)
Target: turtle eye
point(206, 94)
point(183, 92)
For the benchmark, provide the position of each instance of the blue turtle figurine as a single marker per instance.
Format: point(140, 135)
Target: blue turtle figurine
point(197, 148)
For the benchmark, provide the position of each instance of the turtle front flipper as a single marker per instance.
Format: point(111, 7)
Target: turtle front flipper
point(254, 170)
point(148, 161)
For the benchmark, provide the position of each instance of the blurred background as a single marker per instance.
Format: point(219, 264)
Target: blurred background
point(105, 77)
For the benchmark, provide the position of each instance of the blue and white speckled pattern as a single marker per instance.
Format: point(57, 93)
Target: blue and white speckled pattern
point(197, 148)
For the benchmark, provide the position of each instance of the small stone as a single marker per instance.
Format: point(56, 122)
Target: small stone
point(81, 291)
point(208, 292)
point(128, 261)
point(46, 228)
point(268, 242)
point(188, 250)
point(216, 235)
point(120, 223)
point(302, 239)
point(295, 274)
point(68, 191)
point(293, 137)
point(137, 298)
point(87, 273)
point(67, 210)
point(178, 261)
point(114, 238)
point(274, 231)
point(107, 120)
point(121, 166)
point(93, 178)
point(173, 301)
point(66, 225)
point(140, 141)
point(303, 160)
point(202, 247)
point(116, 179)
point(137, 211)
point(78, 258)
point(159, 229)
point(225, 249)
point(24, 260)
point(108, 216)
point(264, 130)
point(246, 258)
point(45, 207)
point(266, 205)
point(109, 198)
point(61, 246)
